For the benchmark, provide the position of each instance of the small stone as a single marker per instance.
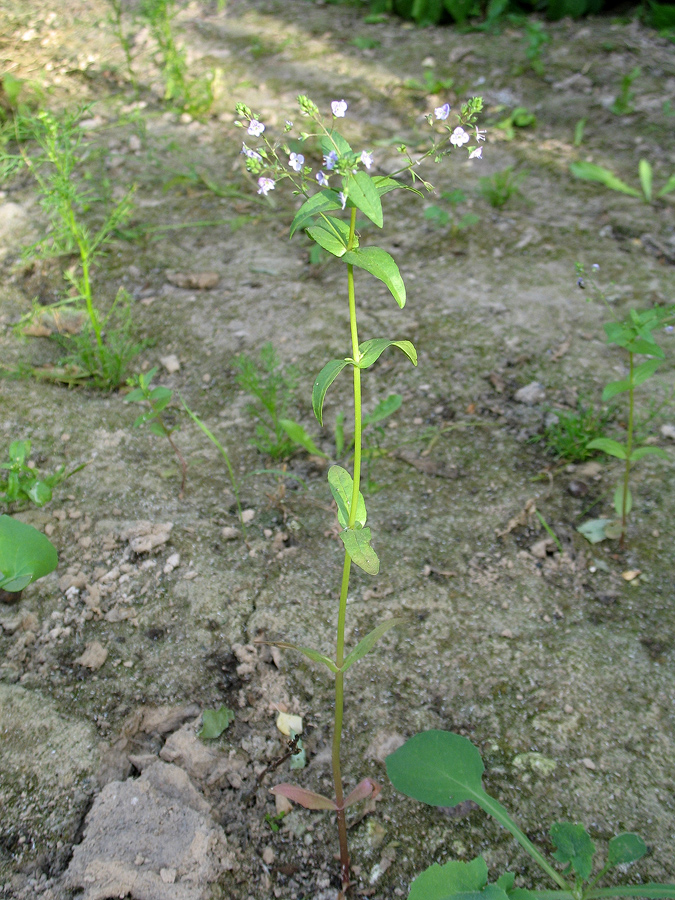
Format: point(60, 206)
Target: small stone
point(577, 488)
point(506, 633)
point(229, 533)
point(247, 516)
point(283, 804)
point(170, 363)
point(94, 656)
point(590, 470)
point(631, 574)
point(172, 563)
point(65, 437)
point(668, 431)
point(168, 876)
point(206, 378)
point(568, 708)
point(268, 856)
point(589, 764)
point(541, 549)
point(530, 394)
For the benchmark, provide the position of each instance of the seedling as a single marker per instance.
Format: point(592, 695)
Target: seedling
point(623, 104)
point(521, 117)
point(569, 437)
point(498, 189)
point(273, 386)
point(430, 83)
point(352, 188)
point(592, 172)
point(537, 38)
point(25, 555)
point(157, 398)
point(116, 20)
point(635, 334)
point(23, 482)
point(57, 169)
point(444, 769)
point(442, 218)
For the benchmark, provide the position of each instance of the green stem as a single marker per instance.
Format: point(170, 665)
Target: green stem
point(342, 611)
point(629, 448)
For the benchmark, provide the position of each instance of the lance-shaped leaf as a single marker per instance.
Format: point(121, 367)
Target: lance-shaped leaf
point(297, 433)
point(645, 173)
point(574, 847)
point(372, 350)
point(323, 202)
point(618, 499)
point(383, 410)
point(366, 788)
point(380, 264)
point(308, 799)
point(25, 554)
point(645, 370)
point(648, 451)
point(613, 448)
point(667, 187)
point(625, 848)
point(368, 642)
point(314, 655)
point(342, 488)
point(384, 184)
point(592, 172)
point(615, 387)
point(357, 545)
point(333, 235)
point(363, 194)
point(323, 381)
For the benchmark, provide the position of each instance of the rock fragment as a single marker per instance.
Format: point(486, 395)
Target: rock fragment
point(94, 656)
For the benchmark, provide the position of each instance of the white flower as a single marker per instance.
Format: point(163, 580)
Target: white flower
point(296, 161)
point(250, 154)
point(321, 178)
point(476, 153)
point(265, 185)
point(367, 159)
point(343, 199)
point(255, 128)
point(480, 135)
point(459, 137)
point(339, 108)
point(442, 112)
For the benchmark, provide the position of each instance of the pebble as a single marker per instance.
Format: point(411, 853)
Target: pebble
point(170, 363)
point(589, 763)
point(530, 394)
point(507, 633)
point(268, 856)
point(172, 563)
point(247, 516)
point(229, 533)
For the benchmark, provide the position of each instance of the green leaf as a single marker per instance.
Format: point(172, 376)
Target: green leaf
point(39, 492)
point(363, 194)
point(506, 881)
point(439, 768)
point(156, 428)
point(357, 545)
point(334, 141)
point(333, 235)
point(645, 370)
point(648, 347)
point(618, 499)
point(454, 879)
point(648, 451)
point(368, 642)
point(215, 722)
point(625, 848)
point(594, 530)
point(645, 173)
point(298, 435)
point(383, 410)
point(667, 187)
point(314, 655)
point(384, 184)
point(342, 487)
point(134, 396)
point(591, 172)
point(25, 554)
point(380, 264)
point(574, 847)
point(651, 891)
point(617, 333)
point(614, 388)
point(322, 202)
point(323, 381)
point(19, 451)
point(607, 445)
point(371, 351)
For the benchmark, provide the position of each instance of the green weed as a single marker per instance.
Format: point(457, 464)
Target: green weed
point(22, 483)
point(498, 189)
point(568, 437)
point(441, 217)
point(588, 171)
point(623, 104)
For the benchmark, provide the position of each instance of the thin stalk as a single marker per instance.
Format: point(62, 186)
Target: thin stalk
point(342, 610)
point(629, 449)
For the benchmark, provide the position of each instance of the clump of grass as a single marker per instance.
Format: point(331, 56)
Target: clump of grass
point(498, 189)
point(568, 437)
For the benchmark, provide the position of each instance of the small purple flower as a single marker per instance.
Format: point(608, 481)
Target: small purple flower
point(265, 185)
point(442, 112)
point(321, 178)
point(255, 128)
point(669, 329)
point(296, 161)
point(339, 108)
point(250, 154)
point(459, 137)
point(480, 135)
point(595, 267)
point(330, 159)
point(476, 153)
point(367, 159)
point(343, 199)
